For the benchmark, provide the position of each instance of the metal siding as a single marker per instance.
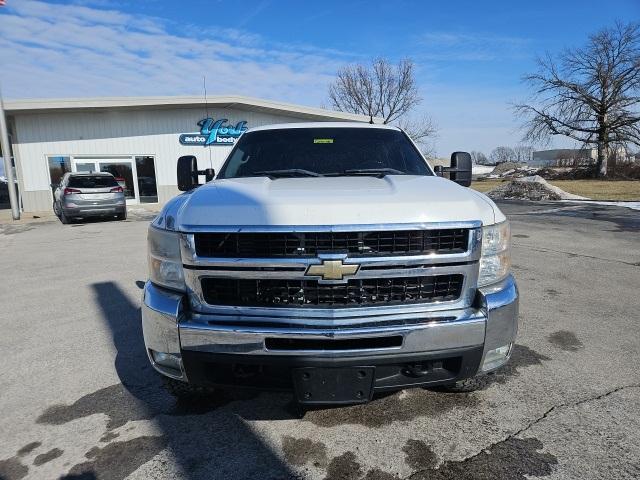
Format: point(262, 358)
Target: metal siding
point(37, 201)
point(112, 132)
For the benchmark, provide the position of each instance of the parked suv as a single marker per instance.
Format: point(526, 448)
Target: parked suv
point(328, 259)
point(81, 195)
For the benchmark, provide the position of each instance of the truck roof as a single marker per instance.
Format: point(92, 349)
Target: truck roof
point(281, 126)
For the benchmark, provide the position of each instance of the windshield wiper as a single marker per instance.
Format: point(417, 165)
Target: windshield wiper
point(375, 172)
point(289, 172)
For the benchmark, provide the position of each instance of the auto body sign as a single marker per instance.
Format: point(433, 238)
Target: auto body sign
point(214, 132)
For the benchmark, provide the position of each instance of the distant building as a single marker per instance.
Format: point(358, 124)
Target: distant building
point(442, 162)
point(569, 157)
point(137, 139)
point(560, 157)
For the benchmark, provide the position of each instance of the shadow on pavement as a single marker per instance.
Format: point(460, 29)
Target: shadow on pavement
point(623, 219)
point(213, 438)
point(204, 440)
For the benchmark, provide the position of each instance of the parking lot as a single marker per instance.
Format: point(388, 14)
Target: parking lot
point(79, 399)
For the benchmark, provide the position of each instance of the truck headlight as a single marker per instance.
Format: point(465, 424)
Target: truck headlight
point(495, 261)
point(165, 261)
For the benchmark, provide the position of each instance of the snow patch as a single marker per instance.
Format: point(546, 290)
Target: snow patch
point(481, 169)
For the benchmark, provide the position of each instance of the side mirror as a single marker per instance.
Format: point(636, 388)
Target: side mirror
point(460, 170)
point(439, 169)
point(187, 173)
point(209, 174)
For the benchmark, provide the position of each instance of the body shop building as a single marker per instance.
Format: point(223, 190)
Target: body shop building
point(138, 140)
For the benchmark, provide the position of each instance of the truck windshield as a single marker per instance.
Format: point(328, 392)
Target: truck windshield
point(311, 152)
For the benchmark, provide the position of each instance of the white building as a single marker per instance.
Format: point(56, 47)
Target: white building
point(567, 157)
point(137, 139)
point(563, 157)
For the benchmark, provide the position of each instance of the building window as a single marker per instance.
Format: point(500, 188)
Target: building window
point(58, 166)
point(147, 188)
point(4, 183)
point(122, 171)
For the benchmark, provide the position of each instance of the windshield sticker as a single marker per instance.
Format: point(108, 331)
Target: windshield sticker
point(323, 140)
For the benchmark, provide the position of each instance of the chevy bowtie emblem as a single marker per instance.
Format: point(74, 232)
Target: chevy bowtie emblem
point(331, 270)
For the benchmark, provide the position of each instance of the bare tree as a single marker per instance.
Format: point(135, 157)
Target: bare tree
point(383, 90)
point(590, 94)
point(502, 154)
point(379, 90)
point(479, 158)
point(523, 153)
point(422, 130)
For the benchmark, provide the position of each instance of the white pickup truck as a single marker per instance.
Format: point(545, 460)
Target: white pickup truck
point(330, 260)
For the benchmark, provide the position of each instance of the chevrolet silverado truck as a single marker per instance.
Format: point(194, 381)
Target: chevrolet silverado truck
point(331, 260)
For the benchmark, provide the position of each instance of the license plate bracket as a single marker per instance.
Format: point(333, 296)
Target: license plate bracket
point(337, 385)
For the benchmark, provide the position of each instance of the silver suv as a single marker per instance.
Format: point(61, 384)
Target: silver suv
point(81, 195)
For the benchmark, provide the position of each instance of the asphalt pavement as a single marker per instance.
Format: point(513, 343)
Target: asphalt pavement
point(79, 400)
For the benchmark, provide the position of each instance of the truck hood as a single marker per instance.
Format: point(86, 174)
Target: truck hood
point(260, 201)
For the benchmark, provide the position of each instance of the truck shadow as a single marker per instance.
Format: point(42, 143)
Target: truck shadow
point(211, 438)
point(206, 439)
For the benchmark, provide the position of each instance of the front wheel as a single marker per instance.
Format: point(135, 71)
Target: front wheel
point(122, 215)
point(186, 391)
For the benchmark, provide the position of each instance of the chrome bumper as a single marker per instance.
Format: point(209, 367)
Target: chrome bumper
point(94, 210)
point(168, 328)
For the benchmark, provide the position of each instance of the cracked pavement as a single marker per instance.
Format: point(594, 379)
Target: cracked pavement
point(79, 399)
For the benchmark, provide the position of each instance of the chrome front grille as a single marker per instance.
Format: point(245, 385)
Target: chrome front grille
point(311, 293)
point(354, 243)
point(405, 270)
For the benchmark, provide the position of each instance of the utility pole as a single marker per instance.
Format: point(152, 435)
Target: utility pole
point(8, 168)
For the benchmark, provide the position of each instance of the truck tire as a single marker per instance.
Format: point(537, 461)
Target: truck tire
point(467, 385)
point(184, 391)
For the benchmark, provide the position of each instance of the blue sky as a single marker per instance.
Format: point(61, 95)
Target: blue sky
point(470, 55)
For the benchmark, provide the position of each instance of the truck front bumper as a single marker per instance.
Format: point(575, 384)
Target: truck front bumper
point(441, 348)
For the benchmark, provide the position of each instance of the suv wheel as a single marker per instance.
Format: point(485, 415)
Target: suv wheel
point(63, 218)
point(122, 216)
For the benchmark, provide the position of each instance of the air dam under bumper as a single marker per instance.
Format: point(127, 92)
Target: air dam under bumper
point(444, 347)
